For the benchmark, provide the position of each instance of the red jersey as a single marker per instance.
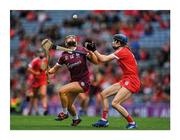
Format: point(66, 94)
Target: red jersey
point(127, 61)
point(39, 65)
point(128, 64)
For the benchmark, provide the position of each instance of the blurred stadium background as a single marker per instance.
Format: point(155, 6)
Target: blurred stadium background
point(149, 38)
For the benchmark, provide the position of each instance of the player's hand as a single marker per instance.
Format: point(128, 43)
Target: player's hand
point(50, 71)
point(47, 71)
point(90, 46)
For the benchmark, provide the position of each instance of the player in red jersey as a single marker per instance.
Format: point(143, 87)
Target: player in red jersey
point(128, 85)
point(80, 82)
point(37, 68)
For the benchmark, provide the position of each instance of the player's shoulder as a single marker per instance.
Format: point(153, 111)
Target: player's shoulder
point(128, 49)
point(80, 48)
point(121, 52)
point(124, 50)
point(62, 55)
point(118, 51)
point(44, 59)
point(36, 59)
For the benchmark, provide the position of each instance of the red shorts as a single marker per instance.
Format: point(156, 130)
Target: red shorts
point(37, 84)
point(132, 83)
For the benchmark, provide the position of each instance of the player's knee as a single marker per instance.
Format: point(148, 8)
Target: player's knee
point(83, 98)
point(43, 95)
point(114, 103)
point(102, 95)
point(69, 107)
point(61, 92)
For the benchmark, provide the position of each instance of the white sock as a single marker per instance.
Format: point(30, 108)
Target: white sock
point(65, 111)
point(132, 123)
point(103, 119)
point(75, 117)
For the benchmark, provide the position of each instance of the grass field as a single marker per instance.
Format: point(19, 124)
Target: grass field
point(48, 123)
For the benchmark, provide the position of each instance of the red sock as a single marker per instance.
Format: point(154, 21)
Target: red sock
point(129, 119)
point(104, 115)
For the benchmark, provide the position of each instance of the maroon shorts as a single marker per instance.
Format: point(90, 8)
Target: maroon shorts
point(132, 83)
point(85, 85)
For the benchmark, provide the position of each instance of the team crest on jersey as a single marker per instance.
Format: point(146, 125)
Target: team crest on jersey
point(43, 65)
point(127, 83)
point(66, 57)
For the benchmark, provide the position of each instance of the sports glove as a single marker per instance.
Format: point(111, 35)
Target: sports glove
point(91, 46)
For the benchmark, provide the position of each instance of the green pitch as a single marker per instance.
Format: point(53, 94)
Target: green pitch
point(48, 123)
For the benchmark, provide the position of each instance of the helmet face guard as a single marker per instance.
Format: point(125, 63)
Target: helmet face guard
point(71, 41)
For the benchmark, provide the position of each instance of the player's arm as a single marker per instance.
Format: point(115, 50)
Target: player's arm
point(92, 57)
point(104, 58)
point(101, 57)
point(54, 69)
point(30, 70)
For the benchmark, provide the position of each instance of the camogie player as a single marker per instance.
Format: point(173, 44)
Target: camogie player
point(37, 68)
point(80, 82)
point(129, 84)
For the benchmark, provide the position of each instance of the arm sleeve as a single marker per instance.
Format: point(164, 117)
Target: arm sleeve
point(84, 50)
point(32, 63)
point(60, 61)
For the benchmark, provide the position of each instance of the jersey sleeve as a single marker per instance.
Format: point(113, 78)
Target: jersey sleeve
point(61, 61)
point(32, 63)
point(120, 54)
point(84, 50)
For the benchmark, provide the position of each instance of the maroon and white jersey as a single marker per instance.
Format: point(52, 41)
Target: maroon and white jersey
point(76, 64)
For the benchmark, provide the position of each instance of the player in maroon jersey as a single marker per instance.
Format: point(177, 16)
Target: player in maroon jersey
point(129, 83)
point(37, 68)
point(80, 82)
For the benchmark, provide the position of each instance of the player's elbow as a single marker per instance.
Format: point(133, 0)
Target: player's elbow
point(29, 70)
point(102, 60)
point(96, 62)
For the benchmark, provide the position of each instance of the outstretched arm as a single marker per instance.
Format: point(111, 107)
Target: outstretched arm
point(30, 70)
point(101, 57)
point(104, 58)
point(92, 57)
